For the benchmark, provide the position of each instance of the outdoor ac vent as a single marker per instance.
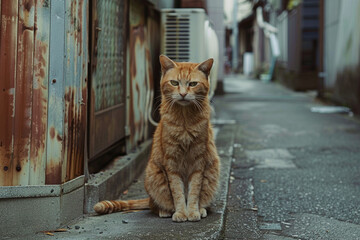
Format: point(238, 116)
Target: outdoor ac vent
point(177, 37)
point(183, 34)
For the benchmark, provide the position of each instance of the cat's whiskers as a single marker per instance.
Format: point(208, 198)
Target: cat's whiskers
point(169, 104)
point(198, 105)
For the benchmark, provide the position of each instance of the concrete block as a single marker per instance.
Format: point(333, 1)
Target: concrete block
point(21, 216)
point(30, 209)
point(72, 205)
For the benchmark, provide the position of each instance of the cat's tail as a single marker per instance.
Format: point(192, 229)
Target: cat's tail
point(106, 206)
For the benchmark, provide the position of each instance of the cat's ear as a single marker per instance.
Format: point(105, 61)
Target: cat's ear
point(205, 66)
point(166, 63)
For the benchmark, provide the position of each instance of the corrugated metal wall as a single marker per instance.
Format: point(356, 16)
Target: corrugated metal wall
point(44, 77)
point(43, 65)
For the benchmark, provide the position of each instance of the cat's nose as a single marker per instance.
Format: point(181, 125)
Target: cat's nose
point(183, 94)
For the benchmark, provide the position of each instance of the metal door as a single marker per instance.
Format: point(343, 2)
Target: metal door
point(107, 106)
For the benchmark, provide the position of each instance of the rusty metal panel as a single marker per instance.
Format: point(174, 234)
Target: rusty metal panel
point(40, 93)
point(107, 108)
point(23, 93)
point(75, 88)
point(139, 75)
point(44, 122)
point(55, 133)
point(8, 54)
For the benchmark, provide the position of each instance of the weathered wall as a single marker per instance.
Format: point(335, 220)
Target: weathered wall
point(43, 65)
point(342, 51)
point(142, 58)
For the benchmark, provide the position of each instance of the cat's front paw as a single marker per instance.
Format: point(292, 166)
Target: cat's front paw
point(179, 217)
point(194, 216)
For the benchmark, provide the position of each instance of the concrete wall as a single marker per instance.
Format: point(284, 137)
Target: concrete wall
point(342, 51)
point(216, 15)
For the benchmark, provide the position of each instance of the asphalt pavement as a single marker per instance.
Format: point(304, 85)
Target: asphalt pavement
point(287, 173)
point(295, 173)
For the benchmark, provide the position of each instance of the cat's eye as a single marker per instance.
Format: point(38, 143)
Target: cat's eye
point(192, 84)
point(174, 83)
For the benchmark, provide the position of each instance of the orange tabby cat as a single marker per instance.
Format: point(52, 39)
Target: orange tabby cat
point(183, 170)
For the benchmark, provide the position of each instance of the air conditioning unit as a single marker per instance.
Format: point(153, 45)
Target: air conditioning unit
point(188, 36)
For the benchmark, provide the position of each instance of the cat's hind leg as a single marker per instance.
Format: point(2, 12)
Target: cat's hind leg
point(164, 213)
point(203, 212)
point(157, 186)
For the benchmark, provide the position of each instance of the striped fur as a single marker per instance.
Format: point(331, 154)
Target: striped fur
point(105, 207)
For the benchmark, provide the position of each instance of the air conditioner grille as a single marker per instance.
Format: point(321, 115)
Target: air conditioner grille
point(177, 37)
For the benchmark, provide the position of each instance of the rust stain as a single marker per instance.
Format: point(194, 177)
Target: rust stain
point(39, 105)
point(74, 138)
point(79, 27)
point(52, 132)
point(40, 68)
point(38, 130)
point(150, 71)
point(53, 172)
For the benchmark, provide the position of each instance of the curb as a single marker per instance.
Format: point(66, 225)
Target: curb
point(108, 184)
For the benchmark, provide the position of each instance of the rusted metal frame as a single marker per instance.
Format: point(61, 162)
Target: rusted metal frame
point(56, 109)
point(8, 55)
point(23, 93)
point(40, 93)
